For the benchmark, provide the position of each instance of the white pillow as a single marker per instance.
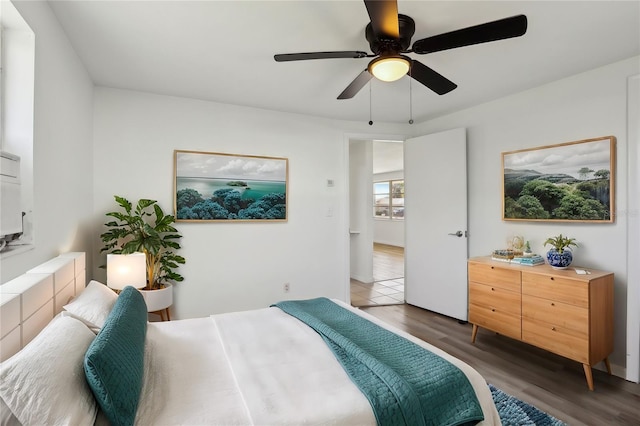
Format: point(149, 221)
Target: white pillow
point(93, 305)
point(44, 383)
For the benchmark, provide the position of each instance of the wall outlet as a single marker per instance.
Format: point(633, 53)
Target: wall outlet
point(286, 287)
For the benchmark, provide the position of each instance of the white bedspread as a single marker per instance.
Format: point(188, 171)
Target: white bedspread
point(187, 379)
point(259, 367)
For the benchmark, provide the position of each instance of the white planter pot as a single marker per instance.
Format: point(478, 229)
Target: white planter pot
point(158, 300)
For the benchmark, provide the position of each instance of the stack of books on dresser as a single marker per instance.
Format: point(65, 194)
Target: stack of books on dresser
point(532, 260)
point(505, 255)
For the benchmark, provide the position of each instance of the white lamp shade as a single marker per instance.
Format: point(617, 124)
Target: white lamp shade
point(126, 269)
point(389, 68)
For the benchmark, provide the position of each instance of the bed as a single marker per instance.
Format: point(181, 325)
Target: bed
point(261, 367)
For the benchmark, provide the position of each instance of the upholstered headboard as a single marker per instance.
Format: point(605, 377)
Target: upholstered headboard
point(30, 301)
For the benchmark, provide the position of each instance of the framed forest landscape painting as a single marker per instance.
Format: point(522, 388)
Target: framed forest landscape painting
point(568, 182)
point(211, 186)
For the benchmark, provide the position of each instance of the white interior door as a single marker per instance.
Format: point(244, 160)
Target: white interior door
point(436, 222)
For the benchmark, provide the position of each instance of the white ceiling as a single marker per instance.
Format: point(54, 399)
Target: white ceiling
point(223, 51)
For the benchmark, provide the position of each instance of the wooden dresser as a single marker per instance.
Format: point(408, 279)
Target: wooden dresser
point(556, 310)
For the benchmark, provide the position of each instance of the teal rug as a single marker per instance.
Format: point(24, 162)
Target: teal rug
point(514, 412)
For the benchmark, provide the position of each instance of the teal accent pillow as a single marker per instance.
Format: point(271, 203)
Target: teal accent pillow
point(114, 362)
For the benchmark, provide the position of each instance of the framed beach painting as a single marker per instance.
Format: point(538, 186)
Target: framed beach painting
point(568, 182)
point(212, 186)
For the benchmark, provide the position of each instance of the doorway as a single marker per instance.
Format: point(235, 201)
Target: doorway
point(377, 222)
point(434, 224)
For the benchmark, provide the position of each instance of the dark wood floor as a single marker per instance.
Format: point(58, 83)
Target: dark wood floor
point(549, 382)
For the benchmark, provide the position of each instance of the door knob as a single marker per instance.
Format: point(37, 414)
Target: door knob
point(457, 234)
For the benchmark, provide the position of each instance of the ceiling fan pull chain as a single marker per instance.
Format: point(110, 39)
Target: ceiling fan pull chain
point(410, 100)
point(370, 120)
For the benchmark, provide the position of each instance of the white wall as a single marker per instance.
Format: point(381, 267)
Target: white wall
point(633, 243)
point(584, 106)
point(231, 266)
point(62, 150)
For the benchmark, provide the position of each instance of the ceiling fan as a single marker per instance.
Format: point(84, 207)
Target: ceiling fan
point(389, 36)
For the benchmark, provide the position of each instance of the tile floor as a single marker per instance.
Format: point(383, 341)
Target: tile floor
point(388, 277)
point(390, 292)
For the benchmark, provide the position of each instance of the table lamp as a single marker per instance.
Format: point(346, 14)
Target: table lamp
point(126, 269)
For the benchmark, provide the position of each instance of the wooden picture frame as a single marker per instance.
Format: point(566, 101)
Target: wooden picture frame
point(219, 187)
point(568, 182)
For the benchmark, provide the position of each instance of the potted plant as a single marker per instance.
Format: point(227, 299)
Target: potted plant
point(560, 255)
point(148, 230)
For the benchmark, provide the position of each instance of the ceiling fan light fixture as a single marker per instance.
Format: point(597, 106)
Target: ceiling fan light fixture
point(390, 68)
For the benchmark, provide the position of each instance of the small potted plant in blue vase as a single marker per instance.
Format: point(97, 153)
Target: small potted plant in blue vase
point(560, 255)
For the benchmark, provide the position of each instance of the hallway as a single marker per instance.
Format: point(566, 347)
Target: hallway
point(388, 279)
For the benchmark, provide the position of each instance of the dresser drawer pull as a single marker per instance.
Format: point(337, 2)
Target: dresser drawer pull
point(493, 309)
point(553, 304)
point(553, 329)
point(493, 289)
point(492, 267)
point(552, 278)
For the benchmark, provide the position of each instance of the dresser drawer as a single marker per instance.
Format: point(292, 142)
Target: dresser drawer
point(556, 288)
point(492, 275)
point(556, 313)
point(495, 319)
point(494, 297)
point(560, 340)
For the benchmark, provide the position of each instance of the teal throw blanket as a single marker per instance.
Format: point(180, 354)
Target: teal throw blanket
point(404, 383)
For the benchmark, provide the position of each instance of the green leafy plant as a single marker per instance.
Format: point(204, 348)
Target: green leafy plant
point(561, 242)
point(148, 230)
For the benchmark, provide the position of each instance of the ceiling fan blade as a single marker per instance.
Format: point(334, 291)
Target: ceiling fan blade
point(384, 17)
point(434, 81)
point(318, 55)
point(514, 26)
point(354, 87)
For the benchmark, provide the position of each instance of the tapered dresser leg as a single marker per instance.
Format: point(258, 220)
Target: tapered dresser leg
point(588, 375)
point(474, 332)
point(608, 365)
